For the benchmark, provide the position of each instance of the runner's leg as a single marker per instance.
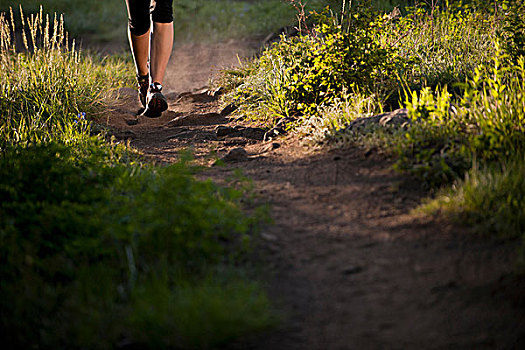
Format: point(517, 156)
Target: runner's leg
point(162, 44)
point(162, 41)
point(139, 33)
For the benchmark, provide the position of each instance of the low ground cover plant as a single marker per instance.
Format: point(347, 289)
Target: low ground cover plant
point(99, 249)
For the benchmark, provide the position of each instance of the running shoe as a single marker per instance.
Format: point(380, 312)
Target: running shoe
point(156, 102)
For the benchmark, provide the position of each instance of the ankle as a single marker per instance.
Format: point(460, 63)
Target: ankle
point(143, 79)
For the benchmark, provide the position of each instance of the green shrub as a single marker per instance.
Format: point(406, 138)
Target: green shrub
point(446, 43)
point(512, 32)
point(487, 122)
point(297, 76)
point(208, 314)
point(338, 59)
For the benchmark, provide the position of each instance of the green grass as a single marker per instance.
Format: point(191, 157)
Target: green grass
point(489, 199)
point(88, 231)
point(49, 87)
point(98, 247)
point(223, 19)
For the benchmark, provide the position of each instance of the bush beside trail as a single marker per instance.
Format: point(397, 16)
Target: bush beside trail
point(99, 249)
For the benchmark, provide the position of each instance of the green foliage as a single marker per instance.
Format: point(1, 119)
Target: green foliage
point(487, 122)
point(338, 59)
point(206, 315)
point(512, 31)
point(85, 230)
point(326, 126)
point(297, 76)
point(446, 42)
point(433, 147)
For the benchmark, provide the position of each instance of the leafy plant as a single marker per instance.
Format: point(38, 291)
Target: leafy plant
point(86, 231)
point(297, 76)
point(512, 31)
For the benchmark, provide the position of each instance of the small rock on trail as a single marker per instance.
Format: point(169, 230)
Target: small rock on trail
point(236, 155)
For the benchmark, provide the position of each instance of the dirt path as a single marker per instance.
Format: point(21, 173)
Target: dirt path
point(346, 262)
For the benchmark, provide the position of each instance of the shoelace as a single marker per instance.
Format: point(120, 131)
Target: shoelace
point(155, 87)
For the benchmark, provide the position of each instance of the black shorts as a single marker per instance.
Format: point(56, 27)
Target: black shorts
point(142, 12)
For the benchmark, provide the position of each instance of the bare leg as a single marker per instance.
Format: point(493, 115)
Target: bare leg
point(162, 44)
point(140, 49)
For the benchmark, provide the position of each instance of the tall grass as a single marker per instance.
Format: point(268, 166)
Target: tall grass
point(489, 199)
point(446, 42)
point(48, 86)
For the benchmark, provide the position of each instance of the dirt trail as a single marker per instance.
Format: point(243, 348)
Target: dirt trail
point(346, 262)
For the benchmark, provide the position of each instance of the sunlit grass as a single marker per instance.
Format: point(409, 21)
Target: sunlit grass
point(49, 88)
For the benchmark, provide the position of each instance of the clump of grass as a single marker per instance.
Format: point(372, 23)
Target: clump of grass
point(326, 127)
point(195, 316)
point(48, 87)
point(446, 42)
point(298, 77)
point(486, 122)
point(489, 199)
